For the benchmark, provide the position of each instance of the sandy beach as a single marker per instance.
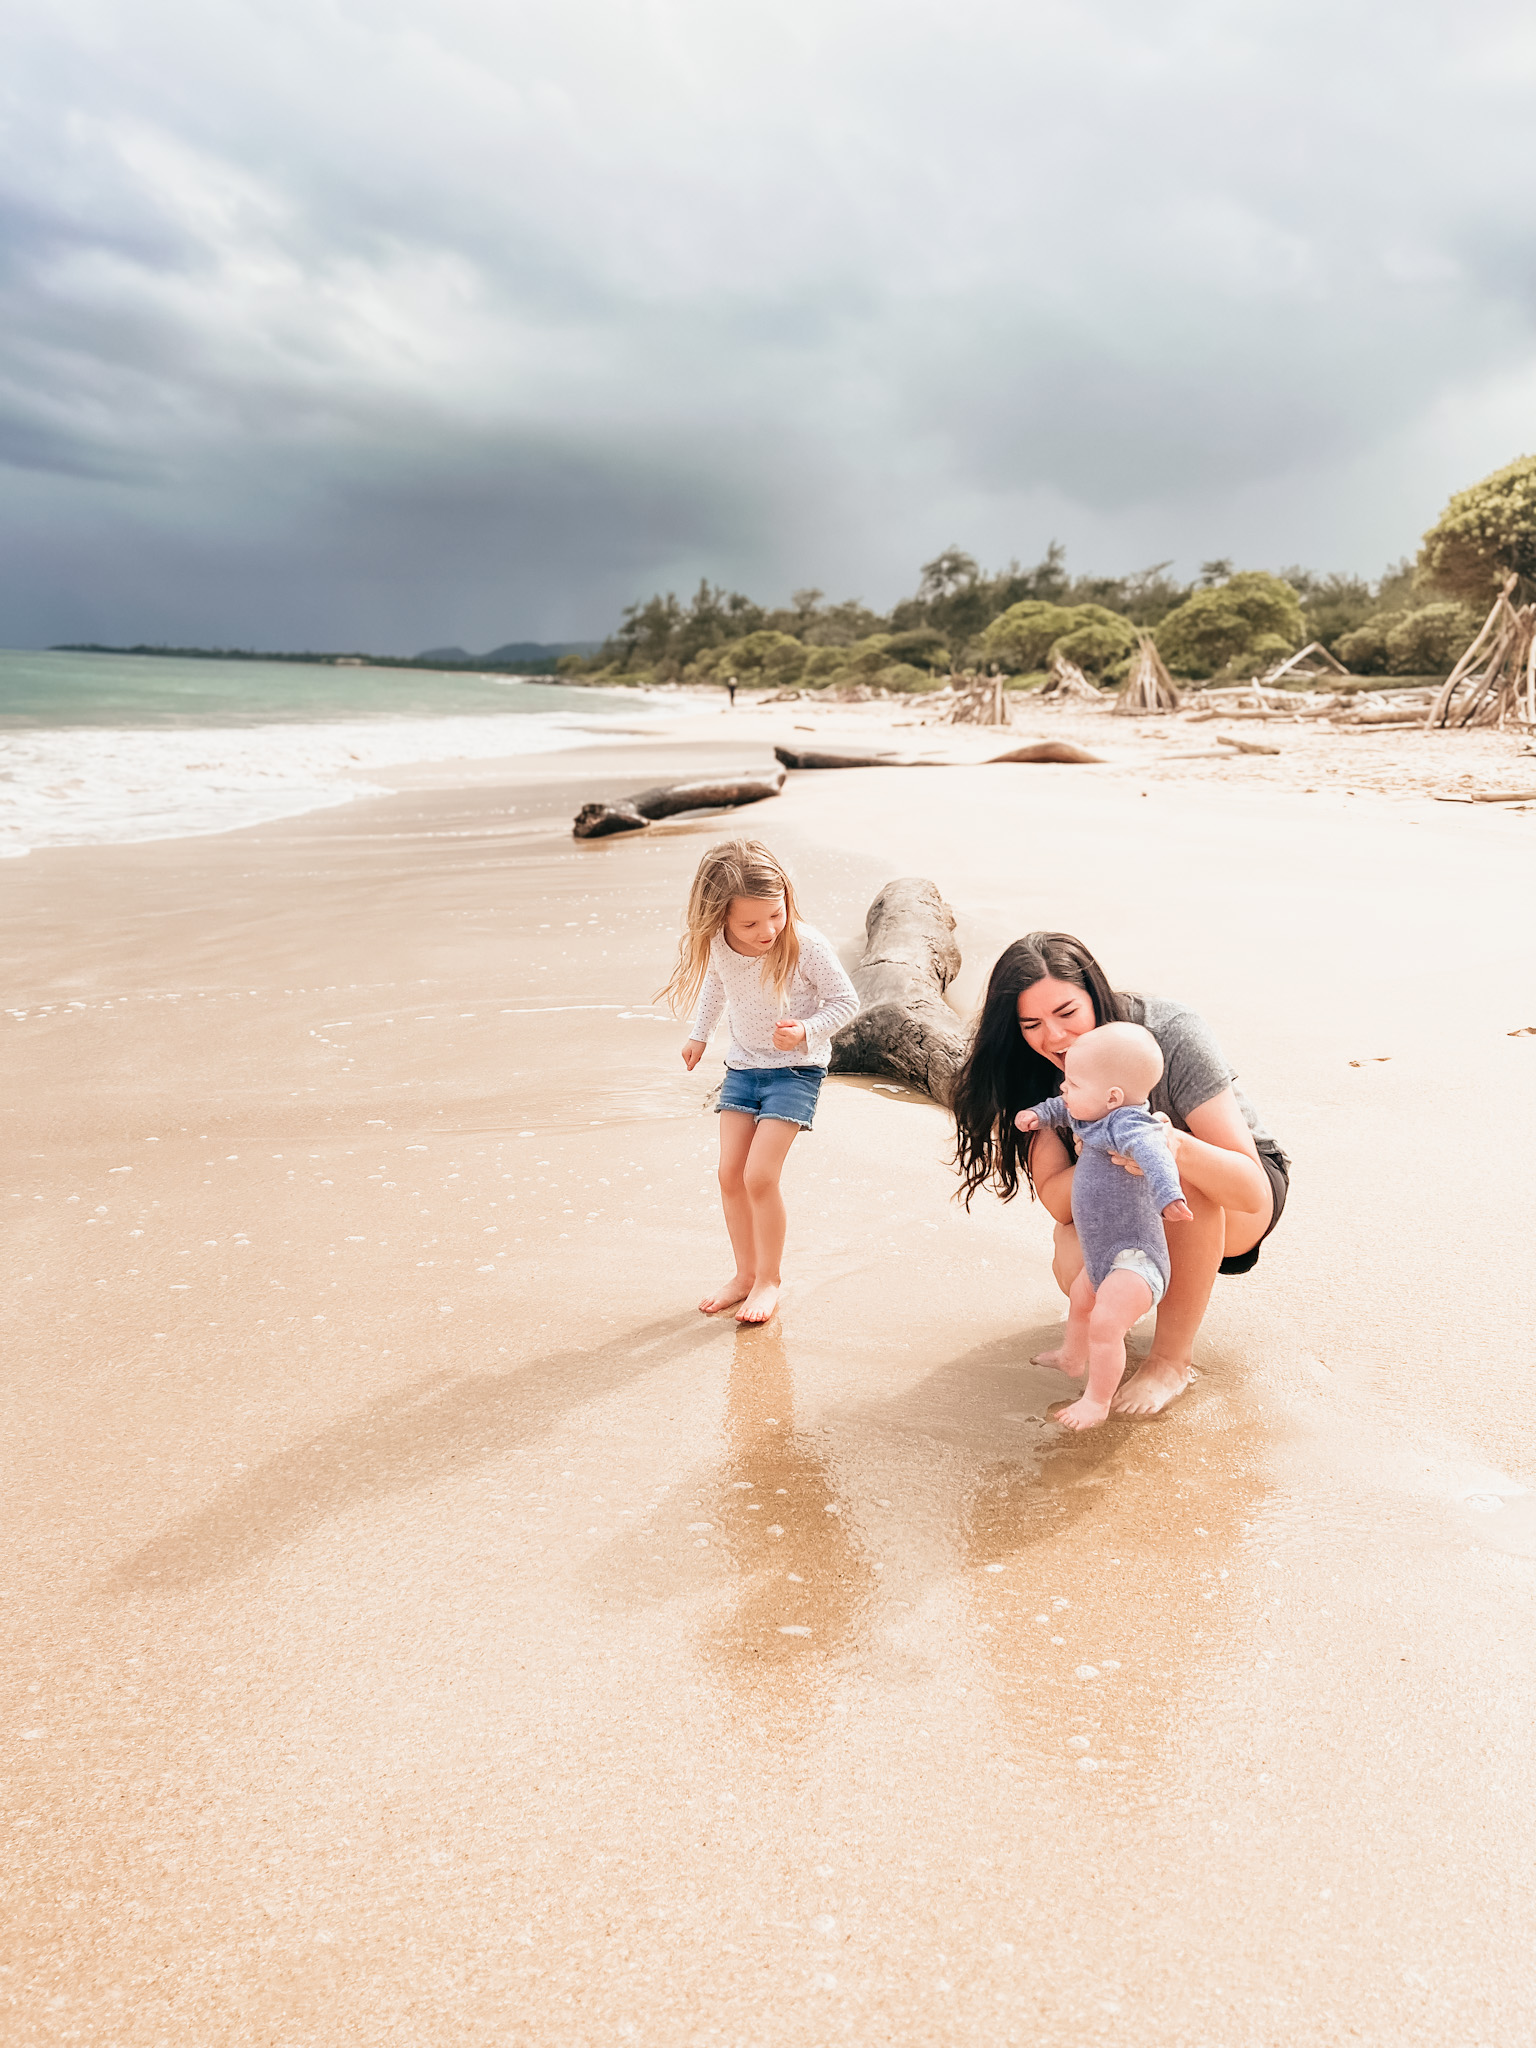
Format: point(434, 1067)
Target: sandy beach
point(425, 1627)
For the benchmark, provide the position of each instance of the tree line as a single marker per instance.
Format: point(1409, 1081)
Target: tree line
point(1414, 619)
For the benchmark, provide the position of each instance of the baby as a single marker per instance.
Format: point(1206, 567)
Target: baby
point(1109, 1074)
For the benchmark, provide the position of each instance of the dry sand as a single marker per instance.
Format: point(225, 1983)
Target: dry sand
point(425, 1628)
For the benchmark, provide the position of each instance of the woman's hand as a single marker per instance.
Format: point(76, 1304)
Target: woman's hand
point(787, 1034)
point(693, 1052)
point(1171, 1138)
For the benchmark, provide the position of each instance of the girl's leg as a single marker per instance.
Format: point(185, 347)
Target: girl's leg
point(737, 1128)
point(765, 1162)
point(1122, 1300)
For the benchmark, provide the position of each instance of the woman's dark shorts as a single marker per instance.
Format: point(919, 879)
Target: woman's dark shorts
point(783, 1094)
point(1278, 1167)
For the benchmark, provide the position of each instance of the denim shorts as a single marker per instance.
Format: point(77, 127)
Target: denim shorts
point(787, 1094)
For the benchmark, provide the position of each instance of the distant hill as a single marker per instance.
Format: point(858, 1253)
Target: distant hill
point(531, 655)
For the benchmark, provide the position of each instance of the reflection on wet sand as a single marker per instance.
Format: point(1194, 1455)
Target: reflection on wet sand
point(800, 1580)
point(1102, 1574)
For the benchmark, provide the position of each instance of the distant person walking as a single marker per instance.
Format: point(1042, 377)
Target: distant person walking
point(730, 690)
point(745, 953)
point(1046, 991)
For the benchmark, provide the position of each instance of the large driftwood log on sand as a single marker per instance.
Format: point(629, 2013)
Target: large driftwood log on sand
point(904, 1027)
point(1036, 750)
point(633, 814)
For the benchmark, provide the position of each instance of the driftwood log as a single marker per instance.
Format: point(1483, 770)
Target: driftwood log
point(633, 814)
point(1036, 750)
point(904, 1027)
point(1045, 750)
point(819, 757)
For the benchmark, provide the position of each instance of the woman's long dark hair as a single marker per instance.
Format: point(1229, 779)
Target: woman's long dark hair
point(1002, 1075)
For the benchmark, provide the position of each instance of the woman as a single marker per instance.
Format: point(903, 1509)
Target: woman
point(1045, 991)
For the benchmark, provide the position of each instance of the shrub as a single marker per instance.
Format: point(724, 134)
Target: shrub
point(1431, 640)
point(1364, 651)
point(1021, 637)
point(824, 665)
point(1252, 616)
point(922, 647)
point(1028, 634)
point(1097, 645)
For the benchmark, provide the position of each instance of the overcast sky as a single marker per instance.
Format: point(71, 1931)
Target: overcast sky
point(342, 323)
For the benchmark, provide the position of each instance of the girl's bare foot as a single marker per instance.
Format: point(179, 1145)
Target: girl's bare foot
point(1063, 1361)
point(1150, 1389)
point(737, 1288)
point(760, 1303)
point(1083, 1414)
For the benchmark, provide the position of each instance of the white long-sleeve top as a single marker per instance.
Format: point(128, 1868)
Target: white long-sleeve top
point(821, 997)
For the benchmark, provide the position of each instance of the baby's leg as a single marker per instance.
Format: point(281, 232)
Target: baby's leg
point(1072, 1358)
point(1121, 1302)
point(737, 1128)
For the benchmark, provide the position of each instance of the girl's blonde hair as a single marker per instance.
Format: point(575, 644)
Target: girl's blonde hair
point(736, 867)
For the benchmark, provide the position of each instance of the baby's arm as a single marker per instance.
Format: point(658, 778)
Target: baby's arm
point(707, 1012)
point(1048, 1115)
point(1144, 1142)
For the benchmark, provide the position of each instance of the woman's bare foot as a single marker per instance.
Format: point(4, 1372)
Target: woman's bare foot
point(1063, 1360)
point(737, 1288)
point(1150, 1389)
point(760, 1303)
point(1083, 1414)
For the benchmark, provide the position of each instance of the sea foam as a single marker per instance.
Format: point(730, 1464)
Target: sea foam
point(102, 786)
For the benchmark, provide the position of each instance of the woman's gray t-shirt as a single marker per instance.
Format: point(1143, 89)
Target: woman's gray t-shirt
point(1195, 1069)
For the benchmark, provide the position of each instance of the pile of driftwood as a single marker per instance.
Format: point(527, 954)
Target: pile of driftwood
point(1148, 688)
point(1494, 683)
point(970, 699)
point(1065, 683)
point(1343, 710)
point(670, 800)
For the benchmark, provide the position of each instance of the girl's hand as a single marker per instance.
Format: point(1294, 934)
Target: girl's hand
point(1178, 1212)
point(787, 1034)
point(693, 1052)
point(1026, 1120)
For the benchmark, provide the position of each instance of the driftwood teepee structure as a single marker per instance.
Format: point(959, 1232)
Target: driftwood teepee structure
point(1494, 683)
point(1148, 687)
point(1066, 682)
point(1306, 665)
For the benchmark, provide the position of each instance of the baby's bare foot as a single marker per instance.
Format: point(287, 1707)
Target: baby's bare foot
point(1149, 1390)
point(737, 1288)
point(1083, 1414)
point(1064, 1360)
point(760, 1303)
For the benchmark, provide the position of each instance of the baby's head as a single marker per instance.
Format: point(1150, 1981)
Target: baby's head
point(1108, 1068)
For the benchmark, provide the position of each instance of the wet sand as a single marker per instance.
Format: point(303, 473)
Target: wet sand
point(425, 1627)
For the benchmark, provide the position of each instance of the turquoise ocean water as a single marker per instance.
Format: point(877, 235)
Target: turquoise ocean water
point(102, 748)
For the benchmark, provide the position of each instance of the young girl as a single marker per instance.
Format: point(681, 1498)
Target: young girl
point(745, 951)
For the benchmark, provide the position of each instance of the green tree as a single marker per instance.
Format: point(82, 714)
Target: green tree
point(1484, 535)
point(1250, 615)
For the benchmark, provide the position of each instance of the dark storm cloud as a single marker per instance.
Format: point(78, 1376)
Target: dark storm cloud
point(391, 325)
